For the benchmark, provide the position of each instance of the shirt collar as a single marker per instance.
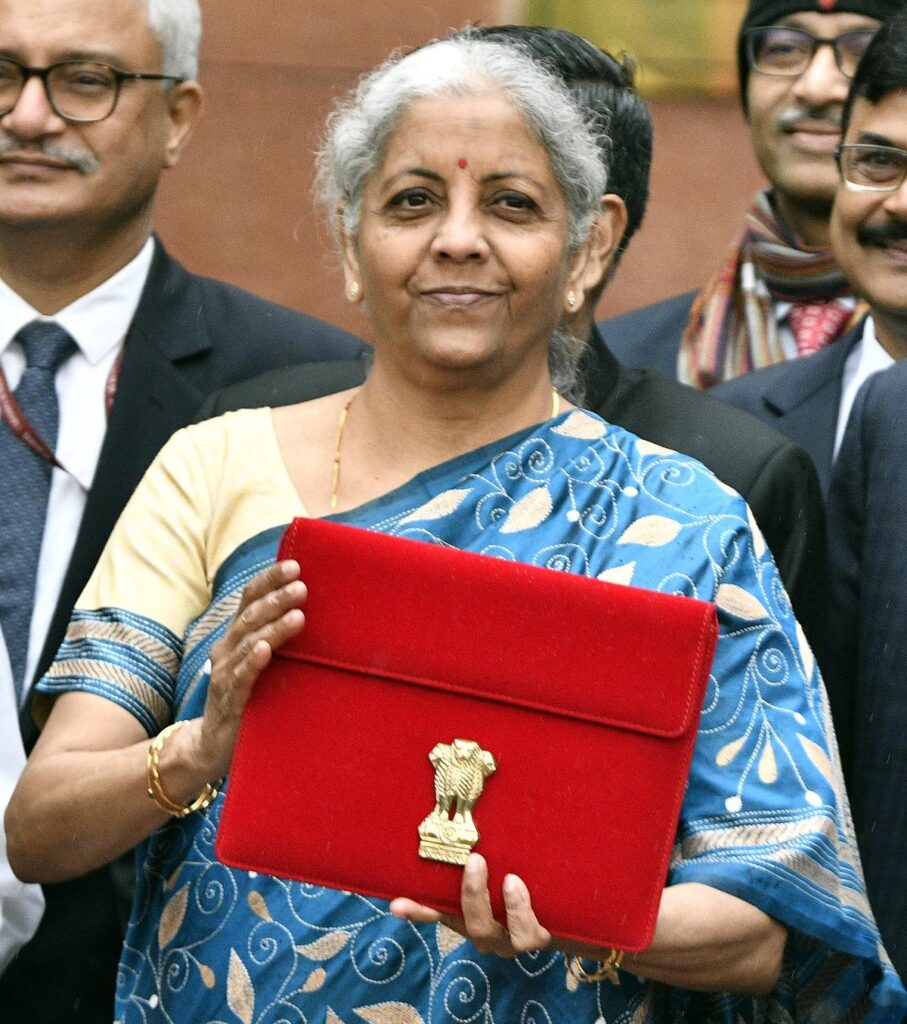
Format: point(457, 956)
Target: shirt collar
point(97, 321)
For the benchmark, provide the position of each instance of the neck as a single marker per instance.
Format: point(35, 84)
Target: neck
point(809, 222)
point(51, 267)
point(413, 426)
point(891, 333)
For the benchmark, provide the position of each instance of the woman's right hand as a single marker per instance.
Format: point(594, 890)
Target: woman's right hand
point(268, 615)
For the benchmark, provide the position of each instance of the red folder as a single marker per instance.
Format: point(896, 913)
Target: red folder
point(587, 694)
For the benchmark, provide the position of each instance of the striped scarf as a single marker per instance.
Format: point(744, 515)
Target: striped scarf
point(732, 327)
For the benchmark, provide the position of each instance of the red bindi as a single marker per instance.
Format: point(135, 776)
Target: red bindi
point(462, 164)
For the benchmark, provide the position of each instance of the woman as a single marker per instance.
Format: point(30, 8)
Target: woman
point(465, 190)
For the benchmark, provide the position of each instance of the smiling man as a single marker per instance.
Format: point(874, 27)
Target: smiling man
point(780, 294)
point(107, 345)
point(810, 400)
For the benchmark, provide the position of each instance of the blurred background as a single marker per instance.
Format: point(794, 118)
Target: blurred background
point(239, 204)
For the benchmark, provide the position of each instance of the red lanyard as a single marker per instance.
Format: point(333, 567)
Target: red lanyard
point(18, 423)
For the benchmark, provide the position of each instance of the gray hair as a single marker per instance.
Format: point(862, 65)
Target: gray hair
point(359, 129)
point(177, 24)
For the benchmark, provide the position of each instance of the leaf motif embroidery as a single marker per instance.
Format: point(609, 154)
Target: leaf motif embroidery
point(172, 917)
point(389, 1013)
point(447, 939)
point(529, 511)
point(172, 880)
point(324, 948)
point(332, 1018)
point(739, 602)
point(651, 531)
point(209, 978)
point(240, 994)
point(619, 574)
point(315, 980)
point(581, 426)
point(651, 448)
point(758, 539)
point(439, 506)
point(806, 653)
point(728, 752)
point(768, 766)
point(818, 757)
point(258, 906)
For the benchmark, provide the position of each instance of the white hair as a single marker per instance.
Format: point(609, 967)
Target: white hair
point(177, 24)
point(358, 130)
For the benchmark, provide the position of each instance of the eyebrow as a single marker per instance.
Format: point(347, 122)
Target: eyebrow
point(874, 139)
point(424, 172)
point(88, 56)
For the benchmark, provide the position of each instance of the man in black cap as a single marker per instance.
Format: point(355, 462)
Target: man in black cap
point(780, 294)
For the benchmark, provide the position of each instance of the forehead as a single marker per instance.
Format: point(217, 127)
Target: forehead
point(827, 26)
point(884, 123)
point(486, 129)
point(42, 31)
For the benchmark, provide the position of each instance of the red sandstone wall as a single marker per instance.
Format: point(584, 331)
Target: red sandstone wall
point(239, 207)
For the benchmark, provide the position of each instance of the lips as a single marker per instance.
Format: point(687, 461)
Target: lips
point(23, 160)
point(458, 296)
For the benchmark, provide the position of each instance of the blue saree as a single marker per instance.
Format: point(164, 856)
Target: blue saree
point(764, 818)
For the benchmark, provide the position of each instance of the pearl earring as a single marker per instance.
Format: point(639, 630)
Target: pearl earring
point(353, 290)
point(571, 300)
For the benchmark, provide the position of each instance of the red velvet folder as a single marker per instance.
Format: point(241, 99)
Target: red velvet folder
point(587, 694)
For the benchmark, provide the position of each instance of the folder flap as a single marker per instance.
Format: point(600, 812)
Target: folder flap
point(427, 615)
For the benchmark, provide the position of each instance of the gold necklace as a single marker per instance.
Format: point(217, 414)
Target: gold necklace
point(341, 423)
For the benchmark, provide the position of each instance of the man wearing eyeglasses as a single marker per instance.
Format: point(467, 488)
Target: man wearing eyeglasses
point(867, 507)
point(107, 345)
point(810, 400)
point(780, 294)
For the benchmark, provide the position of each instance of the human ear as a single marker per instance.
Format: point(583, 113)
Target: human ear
point(594, 257)
point(352, 278)
point(185, 102)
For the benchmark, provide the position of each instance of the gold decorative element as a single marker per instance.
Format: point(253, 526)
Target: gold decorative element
point(353, 291)
point(341, 423)
point(651, 531)
point(731, 598)
point(607, 969)
point(582, 426)
point(240, 992)
point(172, 917)
point(533, 508)
point(461, 769)
point(326, 947)
point(571, 300)
point(389, 1013)
point(155, 788)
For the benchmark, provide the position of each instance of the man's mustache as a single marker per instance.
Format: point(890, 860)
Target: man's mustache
point(791, 117)
point(890, 231)
point(82, 160)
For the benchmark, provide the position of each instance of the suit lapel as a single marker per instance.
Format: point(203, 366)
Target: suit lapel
point(153, 399)
point(807, 397)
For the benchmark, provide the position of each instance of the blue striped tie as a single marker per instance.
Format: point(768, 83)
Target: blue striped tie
point(25, 482)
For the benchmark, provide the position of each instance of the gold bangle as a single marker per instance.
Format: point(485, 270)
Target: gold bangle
point(156, 789)
point(607, 970)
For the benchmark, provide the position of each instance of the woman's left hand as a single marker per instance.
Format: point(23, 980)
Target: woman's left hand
point(522, 932)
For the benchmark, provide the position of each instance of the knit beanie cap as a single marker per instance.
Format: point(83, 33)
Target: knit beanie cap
point(767, 12)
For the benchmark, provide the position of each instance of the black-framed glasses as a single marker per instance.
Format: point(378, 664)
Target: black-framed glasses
point(865, 167)
point(77, 90)
point(779, 50)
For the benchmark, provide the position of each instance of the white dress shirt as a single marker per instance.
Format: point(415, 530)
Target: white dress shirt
point(98, 323)
point(865, 358)
point(21, 905)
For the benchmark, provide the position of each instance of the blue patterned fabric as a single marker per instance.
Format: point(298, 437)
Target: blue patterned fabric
point(764, 818)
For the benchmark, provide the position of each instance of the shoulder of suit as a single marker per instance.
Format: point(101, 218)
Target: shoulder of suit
point(677, 307)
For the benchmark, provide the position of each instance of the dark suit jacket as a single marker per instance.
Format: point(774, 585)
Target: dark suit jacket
point(649, 337)
point(867, 676)
point(190, 335)
point(800, 398)
point(774, 476)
